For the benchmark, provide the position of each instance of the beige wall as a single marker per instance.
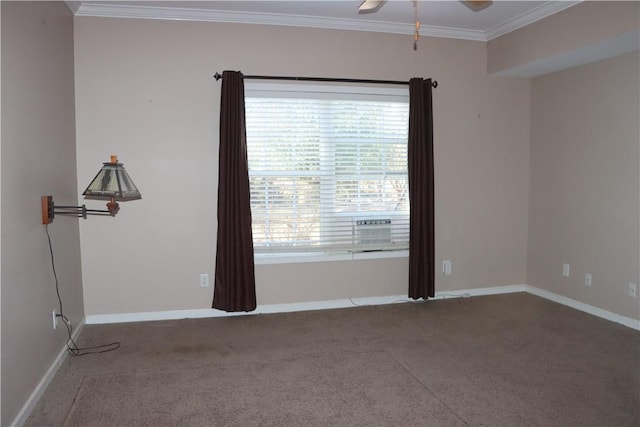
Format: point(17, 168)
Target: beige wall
point(145, 91)
point(571, 33)
point(584, 199)
point(38, 158)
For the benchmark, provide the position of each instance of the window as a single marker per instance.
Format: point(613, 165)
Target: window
point(327, 168)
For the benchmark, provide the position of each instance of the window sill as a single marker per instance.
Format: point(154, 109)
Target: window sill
point(264, 259)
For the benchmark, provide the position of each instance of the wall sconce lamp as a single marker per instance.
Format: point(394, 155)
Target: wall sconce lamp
point(112, 183)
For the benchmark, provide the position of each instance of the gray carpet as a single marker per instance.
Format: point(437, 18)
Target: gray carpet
point(295, 392)
point(504, 360)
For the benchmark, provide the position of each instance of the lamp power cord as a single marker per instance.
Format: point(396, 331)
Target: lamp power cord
point(72, 347)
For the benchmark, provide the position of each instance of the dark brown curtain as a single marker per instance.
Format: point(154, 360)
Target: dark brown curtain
point(421, 196)
point(235, 288)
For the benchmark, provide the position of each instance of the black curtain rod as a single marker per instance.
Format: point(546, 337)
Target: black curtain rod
point(434, 83)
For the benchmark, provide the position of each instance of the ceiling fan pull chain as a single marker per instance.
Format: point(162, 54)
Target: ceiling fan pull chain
point(416, 34)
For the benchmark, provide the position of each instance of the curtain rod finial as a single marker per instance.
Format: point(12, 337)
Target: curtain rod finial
point(434, 84)
point(217, 76)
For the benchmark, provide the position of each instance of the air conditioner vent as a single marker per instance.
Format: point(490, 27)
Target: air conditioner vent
point(372, 231)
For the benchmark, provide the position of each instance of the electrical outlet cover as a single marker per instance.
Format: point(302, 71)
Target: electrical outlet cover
point(446, 267)
point(204, 280)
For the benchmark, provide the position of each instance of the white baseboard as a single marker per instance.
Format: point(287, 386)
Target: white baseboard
point(494, 290)
point(31, 402)
point(96, 319)
point(604, 314)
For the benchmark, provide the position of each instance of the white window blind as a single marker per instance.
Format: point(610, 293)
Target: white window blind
point(327, 168)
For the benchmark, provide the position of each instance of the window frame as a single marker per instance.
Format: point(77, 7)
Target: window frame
point(328, 91)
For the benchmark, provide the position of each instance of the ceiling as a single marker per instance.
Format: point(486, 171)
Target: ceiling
point(450, 19)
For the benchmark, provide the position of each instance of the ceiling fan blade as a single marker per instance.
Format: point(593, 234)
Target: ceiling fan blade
point(477, 5)
point(370, 6)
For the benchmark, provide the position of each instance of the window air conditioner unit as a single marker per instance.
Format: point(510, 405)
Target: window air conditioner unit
point(372, 231)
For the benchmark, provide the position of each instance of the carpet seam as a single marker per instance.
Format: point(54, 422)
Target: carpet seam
point(73, 404)
point(407, 370)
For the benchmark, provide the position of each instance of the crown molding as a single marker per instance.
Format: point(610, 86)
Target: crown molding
point(238, 17)
point(121, 10)
point(522, 20)
point(449, 32)
point(73, 6)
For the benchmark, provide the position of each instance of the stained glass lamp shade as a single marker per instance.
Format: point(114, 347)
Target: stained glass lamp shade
point(112, 183)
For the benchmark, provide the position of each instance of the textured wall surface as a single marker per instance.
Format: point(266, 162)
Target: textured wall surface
point(585, 189)
point(38, 158)
point(145, 91)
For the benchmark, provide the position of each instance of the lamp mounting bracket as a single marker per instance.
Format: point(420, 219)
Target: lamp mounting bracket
point(50, 210)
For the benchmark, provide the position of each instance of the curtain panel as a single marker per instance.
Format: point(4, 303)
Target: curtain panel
point(234, 288)
point(421, 191)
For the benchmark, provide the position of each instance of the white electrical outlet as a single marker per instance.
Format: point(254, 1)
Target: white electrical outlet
point(566, 270)
point(54, 315)
point(633, 290)
point(446, 267)
point(204, 280)
point(587, 279)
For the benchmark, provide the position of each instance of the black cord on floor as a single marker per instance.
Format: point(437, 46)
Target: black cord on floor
point(72, 347)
